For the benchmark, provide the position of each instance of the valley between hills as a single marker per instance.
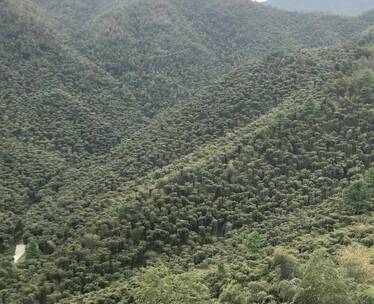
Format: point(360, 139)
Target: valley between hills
point(186, 152)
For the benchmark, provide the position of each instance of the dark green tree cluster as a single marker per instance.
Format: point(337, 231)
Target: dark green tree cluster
point(359, 196)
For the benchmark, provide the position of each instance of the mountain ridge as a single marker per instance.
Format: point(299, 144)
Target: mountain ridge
point(343, 7)
point(164, 50)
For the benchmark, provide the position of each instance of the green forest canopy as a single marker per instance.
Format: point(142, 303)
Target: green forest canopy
point(132, 180)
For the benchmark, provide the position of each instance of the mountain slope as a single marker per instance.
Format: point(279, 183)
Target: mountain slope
point(303, 152)
point(60, 105)
point(238, 99)
point(295, 158)
point(231, 270)
point(57, 108)
point(341, 7)
point(165, 49)
point(40, 74)
point(276, 153)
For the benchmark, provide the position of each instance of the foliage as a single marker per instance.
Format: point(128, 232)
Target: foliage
point(359, 195)
point(129, 153)
point(356, 261)
point(232, 294)
point(322, 283)
point(245, 180)
point(366, 296)
point(287, 264)
point(32, 250)
point(255, 243)
point(159, 285)
point(165, 49)
point(287, 290)
point(216, 110)
point(366, 85)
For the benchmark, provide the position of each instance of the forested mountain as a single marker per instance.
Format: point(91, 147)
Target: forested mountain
point(310, 147)
point(238, 99)
point(56, 107)
point(59, 88)
point(341, 7)
point(60, 108)
point(182, 152)
point(163, 49)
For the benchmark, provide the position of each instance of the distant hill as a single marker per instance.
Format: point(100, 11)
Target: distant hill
point(164, 49)
point(341, 7)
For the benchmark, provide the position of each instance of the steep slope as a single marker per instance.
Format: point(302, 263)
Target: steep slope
point(165, 49)
point(57, 108)
point(300, 154)
point(57, 105)
point(73, 14)
point(238, 99)
point(293, 160)
point(231, 270)
point(341, 7)
point(46, 86)
point(271, 139)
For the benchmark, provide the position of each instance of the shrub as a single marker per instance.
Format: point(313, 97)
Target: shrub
point(286, 263)
point(357, 196)
point(322, 283)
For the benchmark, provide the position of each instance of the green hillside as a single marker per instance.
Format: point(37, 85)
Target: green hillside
point(238, 99)
point(341, 7)
point(185, 152)
point(164, 49)
point(303, 152)
point(62, 91)
point(57, 108)
point(272, 181)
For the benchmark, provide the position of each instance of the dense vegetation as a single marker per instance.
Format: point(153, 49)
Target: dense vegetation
point(63, 92)
point(57, 108)
point(268, 182)
point(294, 158)
point(254, 186)
point(236, 100)
point(164, 49)
point(343, 7)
